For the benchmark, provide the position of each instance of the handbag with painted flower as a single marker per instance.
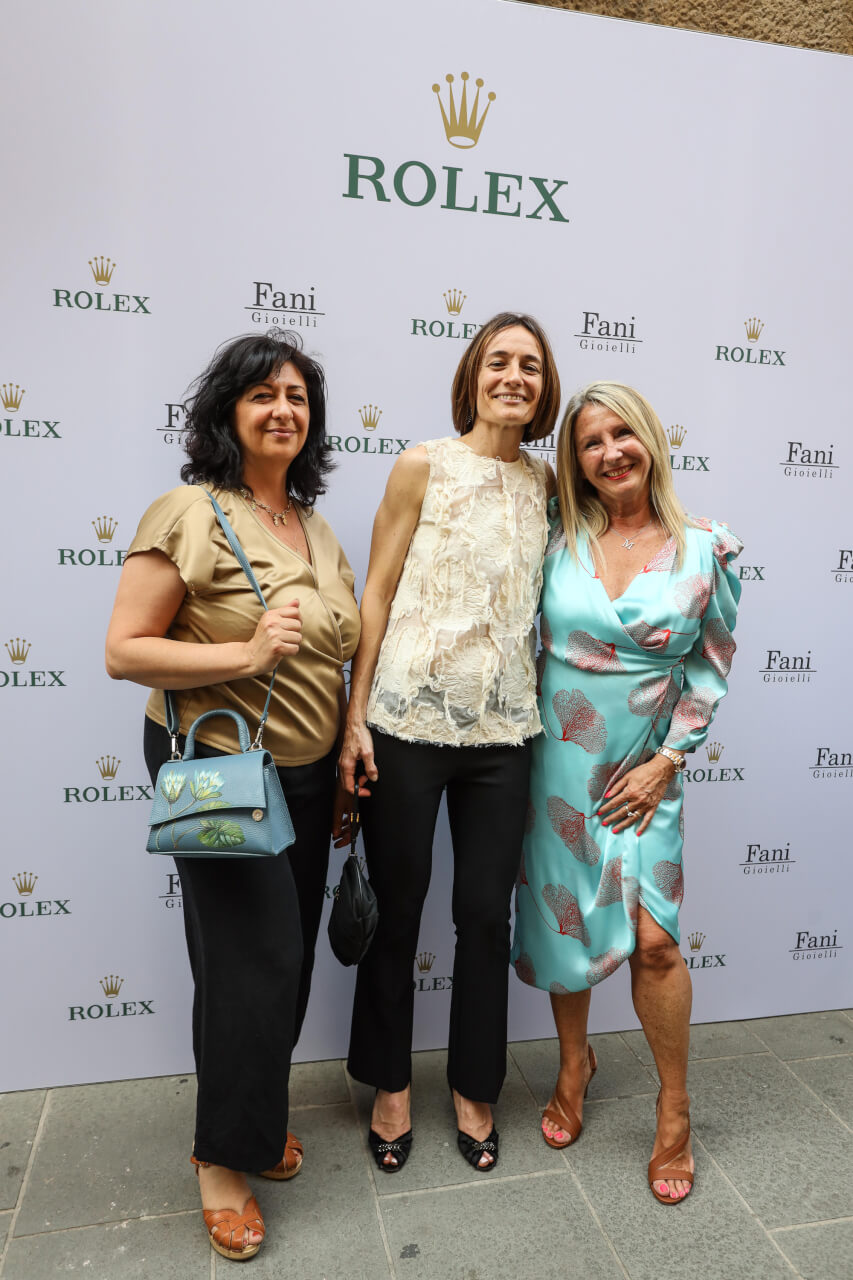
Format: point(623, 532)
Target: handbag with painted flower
point(228, 806)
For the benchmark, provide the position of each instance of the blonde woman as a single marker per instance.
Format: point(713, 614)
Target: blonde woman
point(638, 607)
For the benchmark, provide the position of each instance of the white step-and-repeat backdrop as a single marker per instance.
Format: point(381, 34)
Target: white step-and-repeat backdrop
point(380, 177)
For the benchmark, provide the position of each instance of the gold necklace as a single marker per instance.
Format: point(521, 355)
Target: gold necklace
point(277, 516)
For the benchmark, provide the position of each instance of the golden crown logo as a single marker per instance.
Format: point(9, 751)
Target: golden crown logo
point(454, 300)
point(102, 269)
point(714, 750)
point(17, 650)
point(676, 435)
point(695, 940)
point(461, 125)
point(105, 527)
point(753, 328)
point(425, 961)
point(25, 882)
point(370, 415)
point(107, 766)
point(111, 984)
point(11, 396)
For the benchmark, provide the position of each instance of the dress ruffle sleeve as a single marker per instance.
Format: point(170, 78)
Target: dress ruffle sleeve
point(707, 665)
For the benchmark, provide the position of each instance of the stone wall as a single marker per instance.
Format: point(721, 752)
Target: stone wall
point(816, 24)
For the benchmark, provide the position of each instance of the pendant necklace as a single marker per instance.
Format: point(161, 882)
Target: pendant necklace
point(277, 516)
point(627, 544)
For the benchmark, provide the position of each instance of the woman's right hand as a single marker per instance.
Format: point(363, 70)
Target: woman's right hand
point(278, 635)
point(357, 746)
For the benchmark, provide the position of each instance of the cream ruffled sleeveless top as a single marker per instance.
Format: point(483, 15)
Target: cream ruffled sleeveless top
point(456, 665)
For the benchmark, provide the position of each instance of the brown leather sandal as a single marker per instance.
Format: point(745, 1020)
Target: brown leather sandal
point(665, 1168)
point(223, 1225)
point(563, 1116)
point(290, 1163)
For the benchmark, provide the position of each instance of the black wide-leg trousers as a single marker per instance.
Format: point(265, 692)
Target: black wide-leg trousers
point(487, 791)
point(251, 927)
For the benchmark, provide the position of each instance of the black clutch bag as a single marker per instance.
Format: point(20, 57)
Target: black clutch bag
point(354, 915)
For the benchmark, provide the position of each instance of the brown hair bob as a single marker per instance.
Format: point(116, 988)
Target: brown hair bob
point(463, 394)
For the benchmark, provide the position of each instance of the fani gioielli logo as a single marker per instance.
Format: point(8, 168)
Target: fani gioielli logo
point(449, 325)
point(597, 334)
point(751, 354)
point(111, 985)
point(684, 461)
point(18, 650)
point(426, 981)
point(29, 907)
point(761, 860)
point(788, 668)
point(806, 462)
point(699, 959)
point(11, 397)
point(415, 183)
point(368, 440)
point(173, 897)
point(173, 432)
point(107, 792)
point(274, 306)
point(844, 569)
point(816, 946)
point(104, 556)
point(102, 270)
point(727, 773)
point(832, 764)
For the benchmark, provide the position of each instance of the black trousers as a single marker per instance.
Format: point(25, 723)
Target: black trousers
point(251, 926)
point(487, 802)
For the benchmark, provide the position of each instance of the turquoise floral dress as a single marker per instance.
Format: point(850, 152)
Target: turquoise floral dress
point(617, 679)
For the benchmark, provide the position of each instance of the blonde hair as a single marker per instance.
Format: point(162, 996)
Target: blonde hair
point(580, 506)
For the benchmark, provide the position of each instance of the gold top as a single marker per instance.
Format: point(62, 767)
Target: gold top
point(220, 605)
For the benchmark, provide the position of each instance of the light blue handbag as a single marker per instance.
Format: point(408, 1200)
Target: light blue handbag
point(220, 806)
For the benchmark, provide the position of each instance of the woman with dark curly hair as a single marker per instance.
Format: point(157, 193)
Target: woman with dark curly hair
point(186, 618)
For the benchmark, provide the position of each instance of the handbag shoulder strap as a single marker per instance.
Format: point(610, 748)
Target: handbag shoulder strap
point(173, 723)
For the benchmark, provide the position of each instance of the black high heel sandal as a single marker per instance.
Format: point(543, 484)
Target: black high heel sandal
point(473, 1151)
point(399, 1149)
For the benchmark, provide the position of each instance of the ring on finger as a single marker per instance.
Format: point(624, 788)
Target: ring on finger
point(631, 813)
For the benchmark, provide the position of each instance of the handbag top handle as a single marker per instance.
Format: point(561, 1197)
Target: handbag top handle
point(173, 723)
point(354, 820)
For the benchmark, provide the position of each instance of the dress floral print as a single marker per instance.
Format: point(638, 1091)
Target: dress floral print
point(617, 679)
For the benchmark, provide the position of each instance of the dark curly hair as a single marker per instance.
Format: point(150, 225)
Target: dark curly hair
point(211, 444)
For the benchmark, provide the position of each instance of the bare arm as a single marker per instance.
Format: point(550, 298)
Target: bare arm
point(395, 523)
point(150, 593)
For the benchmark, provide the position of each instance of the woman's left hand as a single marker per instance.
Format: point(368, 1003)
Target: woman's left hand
point(634, 798)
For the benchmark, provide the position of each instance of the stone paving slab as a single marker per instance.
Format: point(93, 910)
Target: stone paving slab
point(323, 1224)
point(5, 1221)
point(823, 1252)
point(655, 1241)
point(707, 1040)
point(112, 1151)
point(19, 1117)
point(318, 1084)
point(832, 1081)
point(805, 1035)
point(536, 1226)
point(619, 1070)
point(153, 1249)
point(766, 1131)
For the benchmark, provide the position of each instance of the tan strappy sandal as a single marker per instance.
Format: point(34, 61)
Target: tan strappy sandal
point(226, 1225)
point(666, 1167)
point(290, 1163)
point(563, 1116)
